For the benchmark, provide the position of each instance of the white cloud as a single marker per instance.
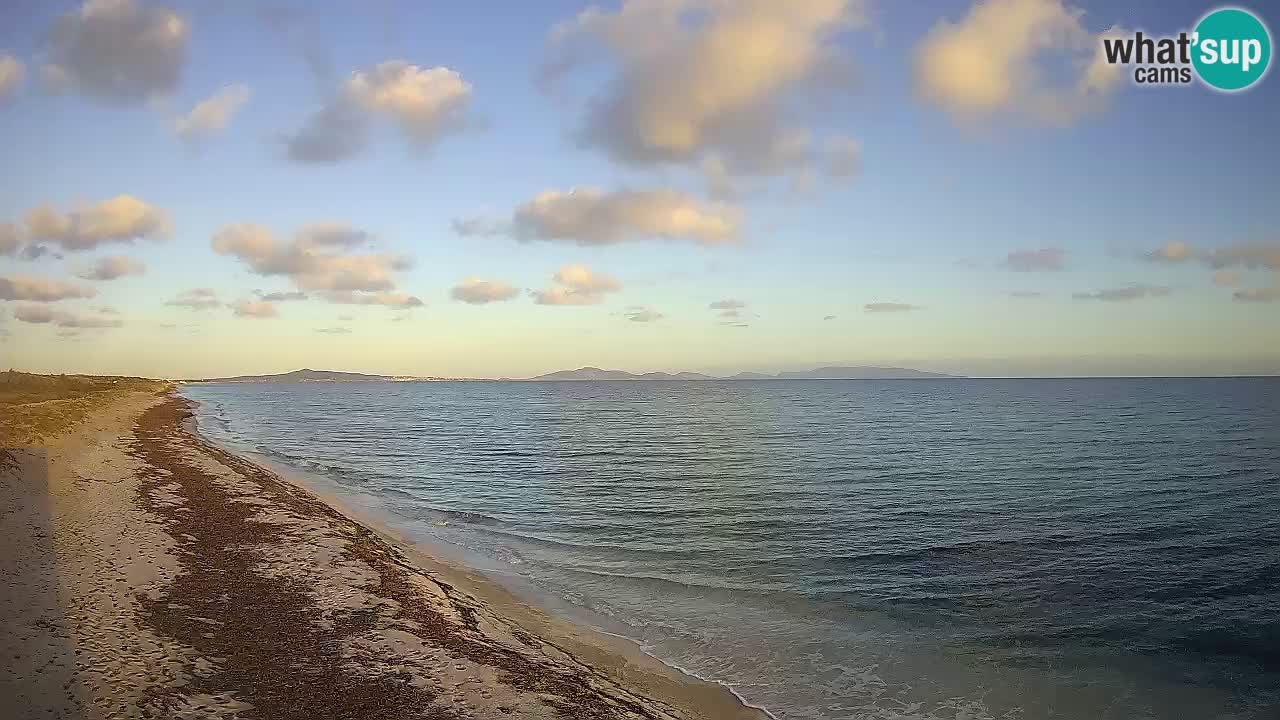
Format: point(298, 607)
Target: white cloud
point(1172, 252)
point(254, 309)
point(42, 314)
point(332, 234)
point(1248, 255)
point(564, 296)
point(727, 304)
point(584, 279)
point(10, 239)
point(1255, 256)
point(731, 310)
point(479, 226)
point(118, 51)
point(123, 218)
point(1133, 291)
point(1041, 260)
point(476, 291)
point(890, 307)
point(389, 299)
point(643, 315)
point(1260, 295)
point(992, 62)
point(336, 330)
point(212, 114)
point(425, 103)
point(590, 216)
point(313, 259)
point(25, 287)
point(577, 285)
point(283, 296)
point(1227, 278)
point(706, 79)
point(11, 73)
point(112, 267)
point(196, 299)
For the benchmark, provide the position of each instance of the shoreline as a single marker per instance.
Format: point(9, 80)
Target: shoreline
point(487, 583)
point(161, 575)
point(475, 580)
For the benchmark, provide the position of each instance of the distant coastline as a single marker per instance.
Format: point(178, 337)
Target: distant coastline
point(593, 374)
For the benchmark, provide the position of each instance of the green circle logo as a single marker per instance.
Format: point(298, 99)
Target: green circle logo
point(1231, 49)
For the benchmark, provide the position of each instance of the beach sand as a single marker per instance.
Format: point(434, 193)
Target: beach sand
point(148, 573)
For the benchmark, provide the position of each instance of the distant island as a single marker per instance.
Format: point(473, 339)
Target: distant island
point(589, 374)
point(309, 375)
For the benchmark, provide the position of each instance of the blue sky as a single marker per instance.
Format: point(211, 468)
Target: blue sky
point(913, 247)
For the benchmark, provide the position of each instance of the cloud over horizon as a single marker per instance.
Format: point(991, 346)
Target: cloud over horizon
point(43, 290)
point(1257, 295)
point(1132, 291)
point(42, 315)
point(121, 219)
point(259, 309)
point(642, 314)
point(386, 299)
point(1250, 255)
point(1172, 252)
point(890, 307)
point(577, 285)
point(477, 291)
point(111, 267)
point(196, 299)
point(314, 259)
point(731, 310)
point(283, 296)
point(591, 216)
point(1049, 259)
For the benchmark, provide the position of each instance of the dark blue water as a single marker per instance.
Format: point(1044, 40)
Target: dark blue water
point(849, 549)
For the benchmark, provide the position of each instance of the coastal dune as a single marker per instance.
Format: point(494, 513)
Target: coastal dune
point(149, 573)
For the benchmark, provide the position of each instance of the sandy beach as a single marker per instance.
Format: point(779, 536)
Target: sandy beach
point(148, 573)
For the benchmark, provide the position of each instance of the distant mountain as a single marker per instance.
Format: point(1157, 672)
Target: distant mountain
point(304, 375)
point(588, 373)
point(675, 376)
point(822, 373)
point(592, 373)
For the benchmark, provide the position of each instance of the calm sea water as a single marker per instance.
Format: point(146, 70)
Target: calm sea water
point(848, 549)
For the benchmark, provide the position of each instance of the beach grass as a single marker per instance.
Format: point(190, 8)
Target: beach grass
point(34, 408)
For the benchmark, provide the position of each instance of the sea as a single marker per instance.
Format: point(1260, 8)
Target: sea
point(966, 549)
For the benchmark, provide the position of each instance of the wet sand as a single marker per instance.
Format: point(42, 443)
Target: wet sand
point(148, 573)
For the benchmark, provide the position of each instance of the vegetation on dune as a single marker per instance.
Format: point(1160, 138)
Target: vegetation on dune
point(35, 408)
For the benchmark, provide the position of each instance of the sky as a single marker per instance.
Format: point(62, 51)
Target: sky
point(496, 189)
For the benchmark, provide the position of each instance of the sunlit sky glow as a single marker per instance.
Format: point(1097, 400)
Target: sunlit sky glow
point(505, 189)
